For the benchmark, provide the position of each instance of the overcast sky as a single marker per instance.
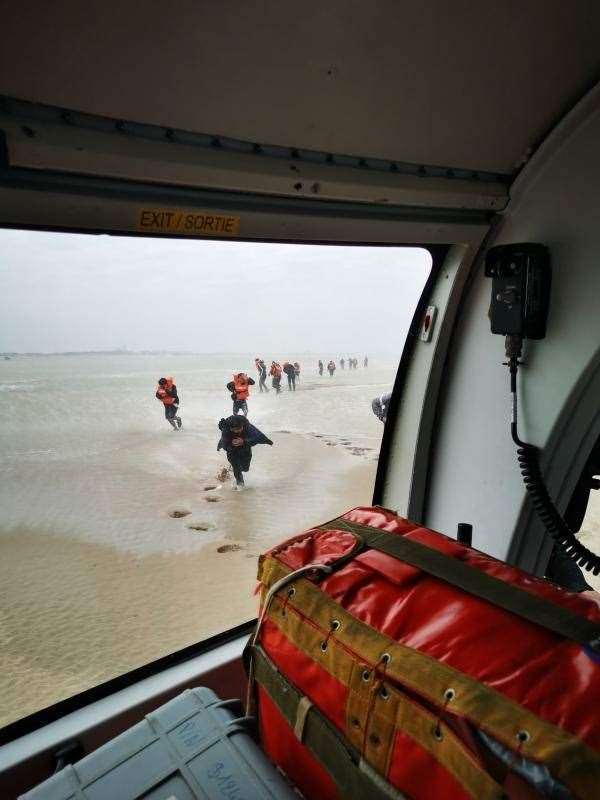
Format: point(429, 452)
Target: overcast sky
point(78, 292)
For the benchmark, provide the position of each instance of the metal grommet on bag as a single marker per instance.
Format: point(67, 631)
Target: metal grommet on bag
point(437, 733)
point(449, 695)
point(384, 694)
point(366, 675)
point(335, 624)
point(323, 646)
point(523, 736)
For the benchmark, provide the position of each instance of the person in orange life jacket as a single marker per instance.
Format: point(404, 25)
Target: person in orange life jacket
point(262, 374)
point(331, 368)
point(240, 391)
point(291, 375)
point(238, 437)
point(166, 392)
point(275, 373)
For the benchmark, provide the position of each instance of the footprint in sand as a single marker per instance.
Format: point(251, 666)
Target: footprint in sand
point(200, 526)
point(177, 513)
point(209, 488)
point(212, 498)
point(228, 548)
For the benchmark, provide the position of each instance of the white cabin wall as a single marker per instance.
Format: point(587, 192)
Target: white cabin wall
point(474, 475)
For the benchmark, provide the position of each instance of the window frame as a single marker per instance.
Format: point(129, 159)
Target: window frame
point(68, 705)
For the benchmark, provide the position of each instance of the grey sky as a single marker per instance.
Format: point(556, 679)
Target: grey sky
point(79, 292)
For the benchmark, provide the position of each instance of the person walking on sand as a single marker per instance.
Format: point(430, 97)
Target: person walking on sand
point(238, 437)
point(297, 370)
point(366, 361)
point(262, 374)
point(166, 392)
point(275, 373)
point(240, 391)
point(291, 375)
point(320, 367)
point(331, 368)
point(342, 362)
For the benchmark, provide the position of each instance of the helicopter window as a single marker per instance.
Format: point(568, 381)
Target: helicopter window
point(123, 538)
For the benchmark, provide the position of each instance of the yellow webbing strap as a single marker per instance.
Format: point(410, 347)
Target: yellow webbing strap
point(339, 759)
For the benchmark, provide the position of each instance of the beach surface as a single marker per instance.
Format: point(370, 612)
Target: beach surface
point(119, 543)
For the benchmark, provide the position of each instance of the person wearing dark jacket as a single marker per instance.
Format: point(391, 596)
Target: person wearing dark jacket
point(262, 374)
point(291, 375)
point(240, 392)
point(380, 406)
point(238, 437)
point(320, 367)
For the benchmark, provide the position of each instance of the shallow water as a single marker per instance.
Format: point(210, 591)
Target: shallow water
point(96, 577)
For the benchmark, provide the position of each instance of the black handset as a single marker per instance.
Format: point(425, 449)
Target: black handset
point(521, 278)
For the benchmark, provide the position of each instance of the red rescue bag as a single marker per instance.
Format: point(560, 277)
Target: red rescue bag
point(390, 661)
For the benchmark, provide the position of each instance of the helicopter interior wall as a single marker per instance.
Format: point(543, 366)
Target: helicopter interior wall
point(474, 474)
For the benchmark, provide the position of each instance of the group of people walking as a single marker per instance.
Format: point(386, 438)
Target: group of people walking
point(237, 434)
point(331, 365)
point(276, 372)
point(353, 362)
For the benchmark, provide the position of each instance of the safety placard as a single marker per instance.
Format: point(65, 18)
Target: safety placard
point(177, 220)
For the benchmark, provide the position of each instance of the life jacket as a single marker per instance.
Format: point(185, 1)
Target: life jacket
point(162, 392)
point(240, 386)
point(276, 370)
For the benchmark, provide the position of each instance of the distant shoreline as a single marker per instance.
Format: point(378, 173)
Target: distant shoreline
point(158, 353)
point(114, 353)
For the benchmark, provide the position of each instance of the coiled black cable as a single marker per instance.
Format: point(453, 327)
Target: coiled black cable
point(527, 454)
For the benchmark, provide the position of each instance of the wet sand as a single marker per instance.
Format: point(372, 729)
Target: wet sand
point(75, 612)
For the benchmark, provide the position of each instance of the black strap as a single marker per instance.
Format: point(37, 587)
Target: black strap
point(505, 595)
point(352, 776)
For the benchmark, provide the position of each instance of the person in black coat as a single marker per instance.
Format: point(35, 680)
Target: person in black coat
point(380, 406)
point(238, 437)
point(291, 375)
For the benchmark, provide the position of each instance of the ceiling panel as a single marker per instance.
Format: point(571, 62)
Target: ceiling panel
point(462, 83)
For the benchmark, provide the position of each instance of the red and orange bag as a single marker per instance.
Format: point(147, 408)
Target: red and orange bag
point(391, 661)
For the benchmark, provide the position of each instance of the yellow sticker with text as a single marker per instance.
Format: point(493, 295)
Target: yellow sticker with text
point(176, 220)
